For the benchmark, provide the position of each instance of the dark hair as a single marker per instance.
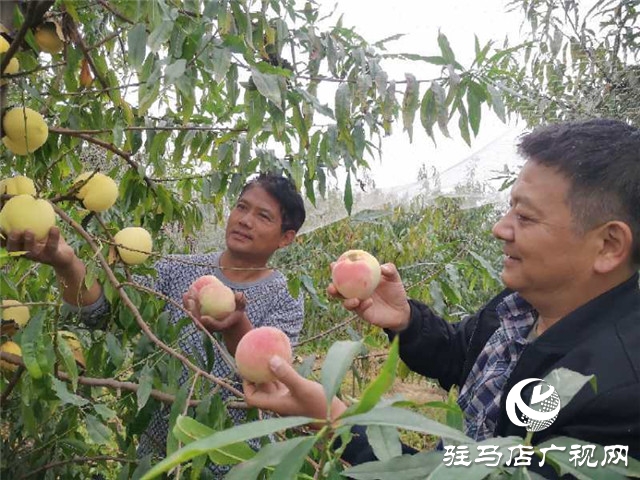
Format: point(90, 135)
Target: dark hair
point(601, 160)
point(284, 191)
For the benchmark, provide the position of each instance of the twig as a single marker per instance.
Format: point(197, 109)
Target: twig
point(26, 73)
point(12, 384)
point(136, 313)
point(106, 145)
point(34, 13)
point(225, 356)
point(59, 463)
point(110, 383)
point(93, 92)
point(170, 128)
point(327, 332)
point(115, 12)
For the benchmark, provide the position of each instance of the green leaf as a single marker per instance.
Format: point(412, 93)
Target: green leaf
point(486, 265)
point(68, 359)
point(475, 110)
point(405, 467)
point(160, 35)
point(463, 124)
point(445, 48)
point(174, 71)
point(568, 383)
point(98, 431)
point(144, 465)
point(137, 43)
point(146, 385)
point(337, 362)
point(105, 412)
point(269, 455)
point(188, 430)
point(410, 104)
point(400, 418)
point(63, 394)
point(496, 103)
point(226, 437)
point(321, 108)
point(268, 85)
point(115, 350)
point(437, 300)
point(32, 347)
point(385, 442)
point(382, 383)
point(477, 470)
point(293, 460)
point(428, 112)
point(343, 107)
point(177, 408)
point(221, 62)
point(440, 97)
point(348, 194)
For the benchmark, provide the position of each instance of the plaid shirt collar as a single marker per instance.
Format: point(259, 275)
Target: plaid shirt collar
point(482, 391)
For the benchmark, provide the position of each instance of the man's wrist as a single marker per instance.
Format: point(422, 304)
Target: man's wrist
point(405, 322)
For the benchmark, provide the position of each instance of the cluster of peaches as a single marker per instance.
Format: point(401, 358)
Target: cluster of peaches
point(355, 274)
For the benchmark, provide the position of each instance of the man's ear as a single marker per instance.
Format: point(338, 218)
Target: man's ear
point(616, 242)
point(286, 238)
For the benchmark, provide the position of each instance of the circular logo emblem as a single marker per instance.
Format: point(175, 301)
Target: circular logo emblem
point(540, 412)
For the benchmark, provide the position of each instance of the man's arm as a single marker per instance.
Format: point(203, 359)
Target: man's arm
point(436, 348)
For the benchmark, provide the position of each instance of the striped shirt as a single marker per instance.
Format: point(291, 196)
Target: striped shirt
point(481, 393)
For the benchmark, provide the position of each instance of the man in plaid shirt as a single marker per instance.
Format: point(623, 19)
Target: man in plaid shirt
point(571, 257)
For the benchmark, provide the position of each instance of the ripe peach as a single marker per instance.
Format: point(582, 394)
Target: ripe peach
point(99, 193)
point(17, 185)
point(23, 212)
point(356, 274)
point(14, 349)
point(48, 39)
point(215, 298)
point(15, 311)
point(24, 130)
point(255, 350)
point(134, 245)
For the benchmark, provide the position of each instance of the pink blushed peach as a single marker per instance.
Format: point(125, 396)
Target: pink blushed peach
point(215, 298)
point(356, 274)
point(255, 350)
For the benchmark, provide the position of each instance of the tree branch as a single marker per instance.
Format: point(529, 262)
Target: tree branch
point(59, 463)
point(110, 383)
point(106, 145)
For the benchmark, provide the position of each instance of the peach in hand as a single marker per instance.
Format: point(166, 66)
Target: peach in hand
point(23, 212)
point(215, 298)
point(255, 349)
point(356, 274)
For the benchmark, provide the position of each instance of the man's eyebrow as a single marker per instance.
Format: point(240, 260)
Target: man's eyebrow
point(525, 202)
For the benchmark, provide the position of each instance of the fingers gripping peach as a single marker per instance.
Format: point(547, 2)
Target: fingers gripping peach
point(255, 350)
point(215, 298)
point(356, 274)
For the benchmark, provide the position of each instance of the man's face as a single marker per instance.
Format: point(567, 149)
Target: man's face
point(544, 251)
point(254, 225)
